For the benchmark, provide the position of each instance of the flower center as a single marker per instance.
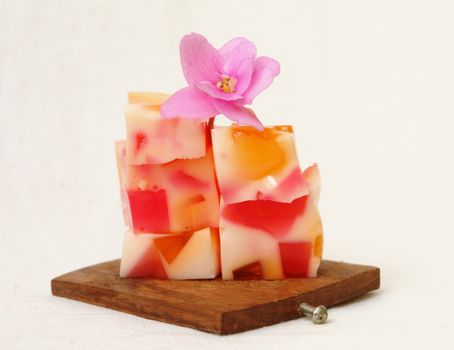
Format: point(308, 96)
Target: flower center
point(227, 84)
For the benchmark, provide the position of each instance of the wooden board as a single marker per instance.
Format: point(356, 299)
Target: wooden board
point(216, 306)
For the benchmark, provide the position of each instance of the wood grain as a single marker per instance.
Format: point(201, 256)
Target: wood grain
point(216, 306)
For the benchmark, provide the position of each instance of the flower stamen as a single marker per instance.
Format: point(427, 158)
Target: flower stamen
point(227, 84)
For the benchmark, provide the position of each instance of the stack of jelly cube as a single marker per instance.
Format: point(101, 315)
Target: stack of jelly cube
point(169, 193)
point(270, 227)
point(201, 201)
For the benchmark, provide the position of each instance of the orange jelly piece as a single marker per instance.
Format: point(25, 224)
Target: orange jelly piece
point(258, 153)
point(171, 246)
point(318, 246)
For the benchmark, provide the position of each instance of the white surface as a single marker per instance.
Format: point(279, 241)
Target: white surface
point(369, 86)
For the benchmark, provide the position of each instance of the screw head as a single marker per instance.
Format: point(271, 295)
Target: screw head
point(320, 314)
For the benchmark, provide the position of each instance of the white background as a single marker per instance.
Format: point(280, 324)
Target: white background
point(369, 87)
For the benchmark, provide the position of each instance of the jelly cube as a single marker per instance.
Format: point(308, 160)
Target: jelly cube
point(173, 256)
point(285, 245)
point(179, 196)
point(151, 139)
point(252, 164)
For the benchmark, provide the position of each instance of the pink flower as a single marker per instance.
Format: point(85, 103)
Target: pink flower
point(220, 81)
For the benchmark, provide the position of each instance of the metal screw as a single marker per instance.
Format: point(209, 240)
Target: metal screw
point(317, 314)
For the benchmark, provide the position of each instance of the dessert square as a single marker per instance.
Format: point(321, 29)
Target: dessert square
point(253, 164)
point(179, 196)
point(189, 255)
point(151, 139)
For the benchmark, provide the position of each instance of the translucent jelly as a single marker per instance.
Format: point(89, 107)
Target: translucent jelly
point(172, 256)
point(178, 196)
point(270, 227)
point(199, 202)
point(169, 194)
point(252, 164)
point(151, 139)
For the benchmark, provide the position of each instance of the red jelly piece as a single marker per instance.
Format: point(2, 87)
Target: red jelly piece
point(275, 218)
point(141, 139)
point(149, 211)
point(149, 265)
point(252, 271)
point(295, 258)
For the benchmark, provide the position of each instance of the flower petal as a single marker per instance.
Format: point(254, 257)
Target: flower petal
point(199, 59)
point(235, 52)
point(244, 75)
point(188, 103)
point(265, 70)
point(239, 114)
point(229, 46)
